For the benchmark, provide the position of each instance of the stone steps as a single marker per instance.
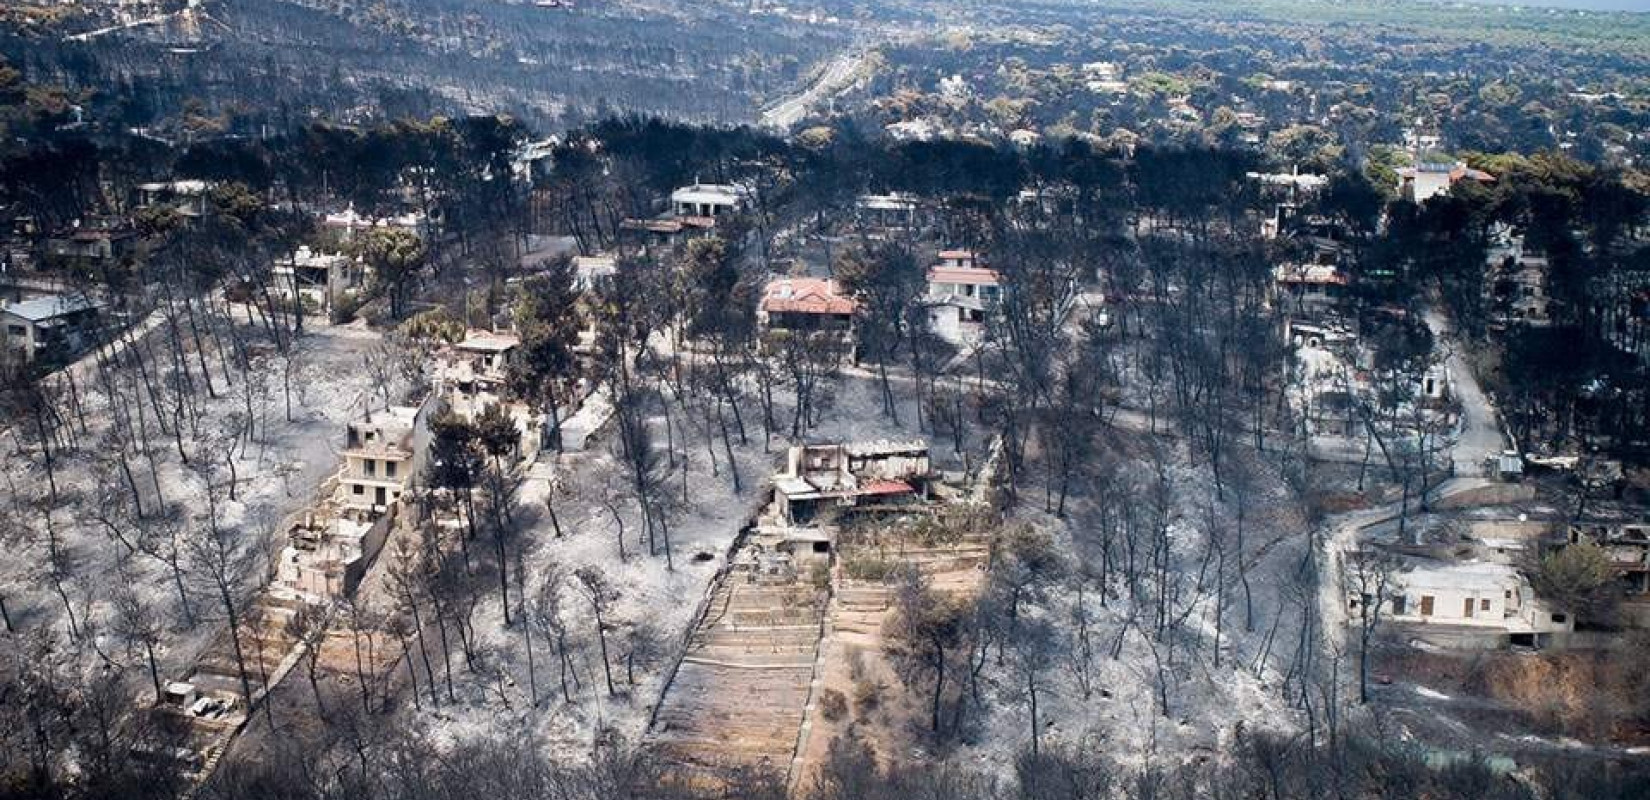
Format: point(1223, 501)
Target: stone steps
point(805, 637)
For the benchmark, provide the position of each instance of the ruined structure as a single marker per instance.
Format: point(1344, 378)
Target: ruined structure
point(849, 476)
point(331, 544)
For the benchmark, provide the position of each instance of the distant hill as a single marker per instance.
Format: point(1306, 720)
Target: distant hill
point(1639, 6)
point(552, 64)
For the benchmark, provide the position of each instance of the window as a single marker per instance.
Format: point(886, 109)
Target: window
point(389, 469)
point(1467, 607)
point(371, 467)
point(1484, 605)
point(1398, 602)
point(17, 330)
point(1426, 605)
point(357, 489)
point(1560, 618)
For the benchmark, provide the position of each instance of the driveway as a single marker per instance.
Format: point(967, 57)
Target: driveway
point(1478, 434)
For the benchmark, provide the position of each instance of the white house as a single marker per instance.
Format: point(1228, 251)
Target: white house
point(915, 130)
point(897, 209)
point(824, 476)
point(1425, 181)
point(188, 198)
point(383, 453)
point(349, 222)
point(961, 293)
point(590, 271)
point(474, 374)
point(708, 200)
point(1474, 604)
point(318, 279)
point(1024, 137)
point(331, 544)
point(1435, 384)
point(50, 328)
point(533, 159)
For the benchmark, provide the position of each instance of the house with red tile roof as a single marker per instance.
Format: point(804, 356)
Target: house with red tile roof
point(849, 476)
point(1425, 181)
point(806, 305)
point(960, 293)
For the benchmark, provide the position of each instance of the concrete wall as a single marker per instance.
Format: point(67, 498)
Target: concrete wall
point(1510, 529)
point(1492, 495)
point(371, 543)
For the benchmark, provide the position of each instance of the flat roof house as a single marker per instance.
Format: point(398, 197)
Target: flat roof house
point(187, 197)
point(473, 375)
point(50, 329)
point(383, 452)
point(317, 278)
point(331, 544)
point(1474, 605)
point(1628, 546)
point(894, 210)
point(708, 200)
point(1309, 287)
point(349, 222)
point(476, 368)
point(98, 240)
point(849, 476)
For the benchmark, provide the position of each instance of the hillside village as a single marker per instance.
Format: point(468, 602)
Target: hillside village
point(899, 454)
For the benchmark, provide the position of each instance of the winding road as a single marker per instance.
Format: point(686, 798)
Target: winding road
point(1477, 436)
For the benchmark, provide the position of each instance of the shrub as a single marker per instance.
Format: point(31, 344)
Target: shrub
point(867, 696)
point(833, 704)
point(868, 568)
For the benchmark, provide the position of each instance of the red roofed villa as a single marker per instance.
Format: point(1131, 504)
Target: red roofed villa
point(806, 304)
point(960, 292)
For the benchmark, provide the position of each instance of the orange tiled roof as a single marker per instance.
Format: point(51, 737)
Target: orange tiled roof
point(806, 296)
point(976, 276)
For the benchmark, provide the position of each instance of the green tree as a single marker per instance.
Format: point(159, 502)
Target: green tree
point(395, 257)
point(547, 320)
point(497, 433)
point(1579, 578)
point(455, 463)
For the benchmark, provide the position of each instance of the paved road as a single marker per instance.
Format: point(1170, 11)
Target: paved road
point(836, 75)
point(187, 13)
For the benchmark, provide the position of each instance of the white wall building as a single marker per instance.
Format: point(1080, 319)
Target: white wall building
point(49, 328)
point(383, 453)
point(1425, 181)
point(317, 279)
point(960, 295)
point(1474, 604)
point(708, 200)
